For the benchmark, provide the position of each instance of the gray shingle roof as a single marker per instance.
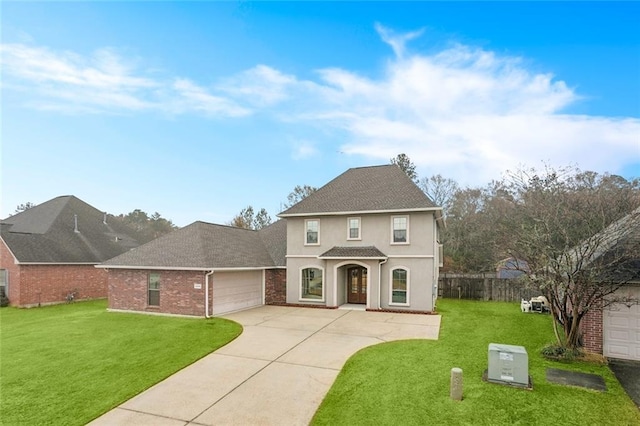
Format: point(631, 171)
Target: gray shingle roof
point(45, 233)
point(353, 253)
point(274, 238)
point(204, 245)
point(376, 188)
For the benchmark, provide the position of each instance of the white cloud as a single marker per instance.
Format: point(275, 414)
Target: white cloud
point(465, 112)
point(102, 82)
point(261, 85)
point(303, 150)
point(196, 98)
point(396, 41)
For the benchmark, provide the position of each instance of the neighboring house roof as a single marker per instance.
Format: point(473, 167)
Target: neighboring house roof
point(366, 252)
point(511, 268)
point(365, 189)
point(47, 233)
point(619, 249)
point(204, 246)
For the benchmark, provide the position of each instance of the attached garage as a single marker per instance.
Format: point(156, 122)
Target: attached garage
point(233, 291)
point(621, 328)
point(200, 270)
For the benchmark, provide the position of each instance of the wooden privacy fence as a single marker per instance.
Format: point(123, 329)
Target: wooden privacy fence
point(484, 287)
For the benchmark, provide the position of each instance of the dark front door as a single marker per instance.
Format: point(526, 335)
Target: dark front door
point(357, 285)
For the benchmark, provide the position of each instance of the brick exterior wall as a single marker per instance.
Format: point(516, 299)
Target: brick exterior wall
point(591, 327)
point(8, 262)
point(45, 284)
point(128, 291)
point(275, 286)
point(33, 285)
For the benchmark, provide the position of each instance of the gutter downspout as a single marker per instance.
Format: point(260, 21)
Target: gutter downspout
point(380, 282)
point(206, 294)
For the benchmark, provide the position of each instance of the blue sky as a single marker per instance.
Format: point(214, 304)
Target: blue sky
point(198, 109)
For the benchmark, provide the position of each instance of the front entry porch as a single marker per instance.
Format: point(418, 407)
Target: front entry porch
point(357, 285)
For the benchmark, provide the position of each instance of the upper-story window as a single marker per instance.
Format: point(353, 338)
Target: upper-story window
point(312, 232)
point(353, 228)
point(400, 230)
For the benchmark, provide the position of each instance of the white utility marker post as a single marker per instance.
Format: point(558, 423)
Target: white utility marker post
point(456, 384)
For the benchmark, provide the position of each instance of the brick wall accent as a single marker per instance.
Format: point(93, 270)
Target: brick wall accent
point(45, 284)
point(128, 291)
point(591, 327)
point(275, 286)
point(8, 262)
point(33, 285)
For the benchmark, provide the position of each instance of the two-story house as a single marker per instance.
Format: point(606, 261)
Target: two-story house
point(368, 237)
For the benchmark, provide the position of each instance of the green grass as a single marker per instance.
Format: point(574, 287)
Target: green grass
point(68, 364)
point(407, 382)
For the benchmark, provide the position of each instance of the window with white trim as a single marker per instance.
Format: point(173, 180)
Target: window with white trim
point(353, 228)
point(400, 230)
point(154, 289)
point(312, 232)
point(311, 284)
point(399, 287)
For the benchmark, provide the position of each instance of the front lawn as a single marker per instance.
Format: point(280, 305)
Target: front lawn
point(407, 382)
point(68, 364)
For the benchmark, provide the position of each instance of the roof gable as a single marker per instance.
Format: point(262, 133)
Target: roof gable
point(364, 189)
point(47, 233)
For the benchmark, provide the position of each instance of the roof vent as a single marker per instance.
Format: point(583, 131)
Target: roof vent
point(104, 219)
point(75, 223)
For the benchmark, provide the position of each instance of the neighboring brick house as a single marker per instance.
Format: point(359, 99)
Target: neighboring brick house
point(615, 330)
point(368, 237)
point(202, 269)
point(49, 252)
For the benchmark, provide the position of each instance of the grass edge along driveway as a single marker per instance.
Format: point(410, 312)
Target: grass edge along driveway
point(68, 364)
point(407, 382)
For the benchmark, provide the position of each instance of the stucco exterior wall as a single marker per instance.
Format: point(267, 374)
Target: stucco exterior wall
point(375, 231)
point(128, 290)
point(419, 257)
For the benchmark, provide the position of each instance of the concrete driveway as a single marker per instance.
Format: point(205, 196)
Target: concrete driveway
point(275, 373)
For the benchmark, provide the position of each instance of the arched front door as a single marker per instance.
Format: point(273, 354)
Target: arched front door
point(357, 285)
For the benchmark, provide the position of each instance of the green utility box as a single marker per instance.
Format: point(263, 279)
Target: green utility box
point(508, 364)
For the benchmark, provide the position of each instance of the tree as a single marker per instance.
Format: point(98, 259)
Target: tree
point(298, 194)
point(247, 219)
point(580, 236)
point(147, 227)
point(440, 190)
point(23, 207)
point(404, 162)
point(468, 238)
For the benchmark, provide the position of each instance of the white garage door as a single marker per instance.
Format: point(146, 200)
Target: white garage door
point(621, 327)
point(233, 291)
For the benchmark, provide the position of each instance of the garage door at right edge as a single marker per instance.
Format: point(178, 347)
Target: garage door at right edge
point(621, 327)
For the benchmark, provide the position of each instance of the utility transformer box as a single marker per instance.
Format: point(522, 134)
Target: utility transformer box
point(508, 364)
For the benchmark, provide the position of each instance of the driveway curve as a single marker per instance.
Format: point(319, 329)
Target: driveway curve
point(275, 373)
